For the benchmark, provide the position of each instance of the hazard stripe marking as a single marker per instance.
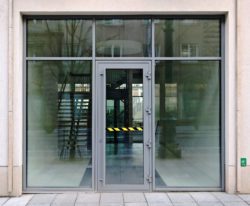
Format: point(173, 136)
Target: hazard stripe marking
point(110, 129)
point(131, 129)
point(124, 129)
point(139, 129)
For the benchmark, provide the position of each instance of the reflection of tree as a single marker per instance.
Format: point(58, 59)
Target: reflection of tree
point(67, 38)
point(168, 147)
point(59, 38)
point(199, 91)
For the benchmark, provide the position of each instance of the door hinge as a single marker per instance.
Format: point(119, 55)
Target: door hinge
point(149, 179)
point(148, 110)
point(148, 75)
point(149, 144)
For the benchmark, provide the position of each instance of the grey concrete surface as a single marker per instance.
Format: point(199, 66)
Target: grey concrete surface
point(129, 199)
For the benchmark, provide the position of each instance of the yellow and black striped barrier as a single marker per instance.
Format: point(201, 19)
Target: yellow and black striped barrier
point(124, 129)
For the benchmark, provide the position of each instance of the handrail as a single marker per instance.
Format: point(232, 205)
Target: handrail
point(62, 90)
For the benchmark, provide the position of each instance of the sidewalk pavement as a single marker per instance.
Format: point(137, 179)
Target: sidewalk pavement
point(129, 199)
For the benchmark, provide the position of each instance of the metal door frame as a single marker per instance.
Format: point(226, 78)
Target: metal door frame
point(100, 91)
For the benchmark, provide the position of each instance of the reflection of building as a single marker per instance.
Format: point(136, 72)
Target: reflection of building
point(124, 102)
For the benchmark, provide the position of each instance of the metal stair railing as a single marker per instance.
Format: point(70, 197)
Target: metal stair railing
point(62, 90)
point(70, 144)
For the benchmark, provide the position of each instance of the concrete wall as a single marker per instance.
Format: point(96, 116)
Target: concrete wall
point(4, 96)
point(20, 7)
point(243, 107)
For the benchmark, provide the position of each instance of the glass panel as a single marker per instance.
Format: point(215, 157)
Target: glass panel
point(59, 38)
point(124, 122)
point(59, 124)
point(187, 105)
point(123, 38)
point(187, 38)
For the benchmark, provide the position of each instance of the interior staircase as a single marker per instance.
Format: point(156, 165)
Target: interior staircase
point(74, 122)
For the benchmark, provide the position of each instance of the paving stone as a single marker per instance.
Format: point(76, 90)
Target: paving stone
point(157, 198)
point(185, 204)
point(180, 197)
point(42, 204)
point(235, 204)
point(245, 197)
point(203, 197)
point(133, 197)
point(88, 198)
point(3, 200)
point(42, 200)
point(224, 197)
point(210, 204)
point(18, 201)
point(111, 204)
point(111, 198)
point(160, 204)
point(130, 199)
point(87, 204)
point(65, 200)
point(136, 204)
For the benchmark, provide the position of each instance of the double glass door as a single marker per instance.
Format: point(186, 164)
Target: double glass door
point(123, 125)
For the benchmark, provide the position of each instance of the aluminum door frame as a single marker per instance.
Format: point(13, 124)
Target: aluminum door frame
point(101, 67)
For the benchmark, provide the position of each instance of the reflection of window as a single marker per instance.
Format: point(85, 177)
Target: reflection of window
point(189, 50)
point(171, 97)
point(119, 48)
point(137, 90)
point(112, 22)
point(137, 98)
point(189, 22)
point(82, 87)
point(78, 87)
point(63, 88)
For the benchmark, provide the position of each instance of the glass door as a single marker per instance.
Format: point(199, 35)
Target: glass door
point(124, 112)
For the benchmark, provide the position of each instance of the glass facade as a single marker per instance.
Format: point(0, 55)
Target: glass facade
point(124, 148)
point(60, 89)
point(59, 136)
point(187, 105)
point(187, 38)
point(123, 38)
point(59, 38)
point(59, 104)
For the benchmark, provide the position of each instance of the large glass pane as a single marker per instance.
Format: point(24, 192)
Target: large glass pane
point(187, 38)
point(59, 124)
point(59, 38)
point(187, 105)
point(123, 38)
point(124, 122)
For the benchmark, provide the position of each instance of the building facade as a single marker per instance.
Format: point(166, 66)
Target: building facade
point(124, 96)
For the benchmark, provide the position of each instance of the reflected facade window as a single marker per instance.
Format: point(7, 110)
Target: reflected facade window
point(59, 38)
point(187, 38)
point(123, 38)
